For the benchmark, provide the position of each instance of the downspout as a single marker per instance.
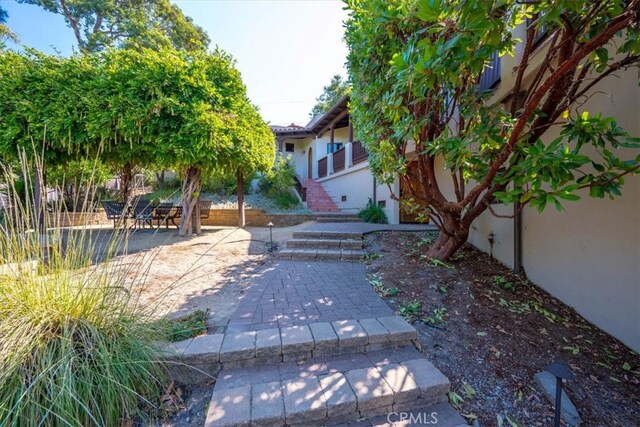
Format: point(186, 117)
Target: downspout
point(517, 238)
point(375, 191)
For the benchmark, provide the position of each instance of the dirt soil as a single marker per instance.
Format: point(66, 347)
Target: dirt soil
point(489, 331)
point(206, 272)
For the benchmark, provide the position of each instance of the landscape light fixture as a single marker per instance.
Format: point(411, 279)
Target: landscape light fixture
point(491, 239)
point(559, 370)
point(270, 225)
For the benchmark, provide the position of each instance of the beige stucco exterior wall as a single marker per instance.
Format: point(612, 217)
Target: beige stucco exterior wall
point(588, 256)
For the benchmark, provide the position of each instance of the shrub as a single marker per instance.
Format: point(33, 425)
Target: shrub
point(77, 347)
point(276, 184)
point(188, 326)
point(373, 213)
point(227, 184)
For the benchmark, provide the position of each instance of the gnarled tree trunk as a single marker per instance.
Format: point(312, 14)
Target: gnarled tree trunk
point(454, 232)
point(126, 178)
point(191, 186)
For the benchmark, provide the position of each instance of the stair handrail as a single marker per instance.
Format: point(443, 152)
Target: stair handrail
point(300, 188)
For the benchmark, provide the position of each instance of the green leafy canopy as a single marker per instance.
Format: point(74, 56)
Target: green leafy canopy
point(415, 68)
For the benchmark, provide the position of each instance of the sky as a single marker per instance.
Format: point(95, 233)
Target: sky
point(286, 50)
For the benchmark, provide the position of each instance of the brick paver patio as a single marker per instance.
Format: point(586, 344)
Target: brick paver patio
point(293, 293)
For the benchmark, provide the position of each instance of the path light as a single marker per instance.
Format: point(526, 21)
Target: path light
point(491, 239)
point(270, 225)
point(559, 370)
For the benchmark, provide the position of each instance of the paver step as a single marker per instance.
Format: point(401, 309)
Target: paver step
point(339, 219)
point(324, 243)
point(209, 353)
point(308, 254)
point(330, 235)
point(440, 414)
point(326, 391)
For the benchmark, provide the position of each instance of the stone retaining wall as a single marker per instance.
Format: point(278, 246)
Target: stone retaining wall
point(217, 217)
point(77, 219)
point(255, 218)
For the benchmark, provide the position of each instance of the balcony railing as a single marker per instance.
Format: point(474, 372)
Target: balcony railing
point(359, 154)
point(338, 160)
point(491, 74)
point(322, 167)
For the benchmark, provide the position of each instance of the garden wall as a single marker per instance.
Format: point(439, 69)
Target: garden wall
point(255, 218)
point(76, 219)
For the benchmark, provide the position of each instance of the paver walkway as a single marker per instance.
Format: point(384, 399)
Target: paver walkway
point(294, 293)
point(311, 343)
point(364, 228)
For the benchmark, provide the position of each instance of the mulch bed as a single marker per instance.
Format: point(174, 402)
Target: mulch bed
point(490, 330)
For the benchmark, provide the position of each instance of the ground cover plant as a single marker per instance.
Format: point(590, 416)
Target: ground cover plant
point(77, 348)
point(490, 330)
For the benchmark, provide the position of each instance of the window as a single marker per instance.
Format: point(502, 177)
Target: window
point(541, 32)
point(336, 147)
point(491, 75)
point(289, 147)
point(382, 203)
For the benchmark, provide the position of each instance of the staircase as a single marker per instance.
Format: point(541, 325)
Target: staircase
point(323, 373)
point(323, 245)
point(317, 198)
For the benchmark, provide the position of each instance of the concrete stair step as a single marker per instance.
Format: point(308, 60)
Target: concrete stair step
point(308, 254)
point(339, 219)
point(200, 358)
point(326, 391)
point(440, 414)
point(324, 244)
point(328, 235)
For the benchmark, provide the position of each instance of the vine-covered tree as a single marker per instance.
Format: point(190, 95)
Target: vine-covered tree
point(415, 67)
point(336, 89)
point(99, 24)
point(5, 31)
point(146, 107)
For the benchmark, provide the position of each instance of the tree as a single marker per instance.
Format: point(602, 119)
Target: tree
point(5, 32)
point(99, 24)
point(183, 110)
point(415, 68)
point(331, 94)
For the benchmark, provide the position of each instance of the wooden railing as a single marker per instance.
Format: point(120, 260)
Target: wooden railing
point(338, 160)
point(322, 167)
point(491, 74)
point(301, 189)
point(358, 153)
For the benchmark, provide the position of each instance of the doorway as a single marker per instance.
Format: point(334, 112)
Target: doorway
point(310, 165)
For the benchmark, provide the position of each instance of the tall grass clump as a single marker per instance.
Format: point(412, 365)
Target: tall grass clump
point(76, 346)
point(373, 213)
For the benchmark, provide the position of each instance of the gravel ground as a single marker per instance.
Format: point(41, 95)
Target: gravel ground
point(208, 271)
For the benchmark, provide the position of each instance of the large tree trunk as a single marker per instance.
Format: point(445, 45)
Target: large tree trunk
point(191, 186)
point(240, 190)
point(126, 178)
point(160, 179)
point(453, 235)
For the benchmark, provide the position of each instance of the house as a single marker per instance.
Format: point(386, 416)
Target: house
point(333, 168)
point(587, 255)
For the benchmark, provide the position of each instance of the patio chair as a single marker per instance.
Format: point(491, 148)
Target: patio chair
point(166, 212)
point(205, 209)
point(115, 211)
point(143, 213)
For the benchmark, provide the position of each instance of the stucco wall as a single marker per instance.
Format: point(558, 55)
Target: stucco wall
point(588, 255)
